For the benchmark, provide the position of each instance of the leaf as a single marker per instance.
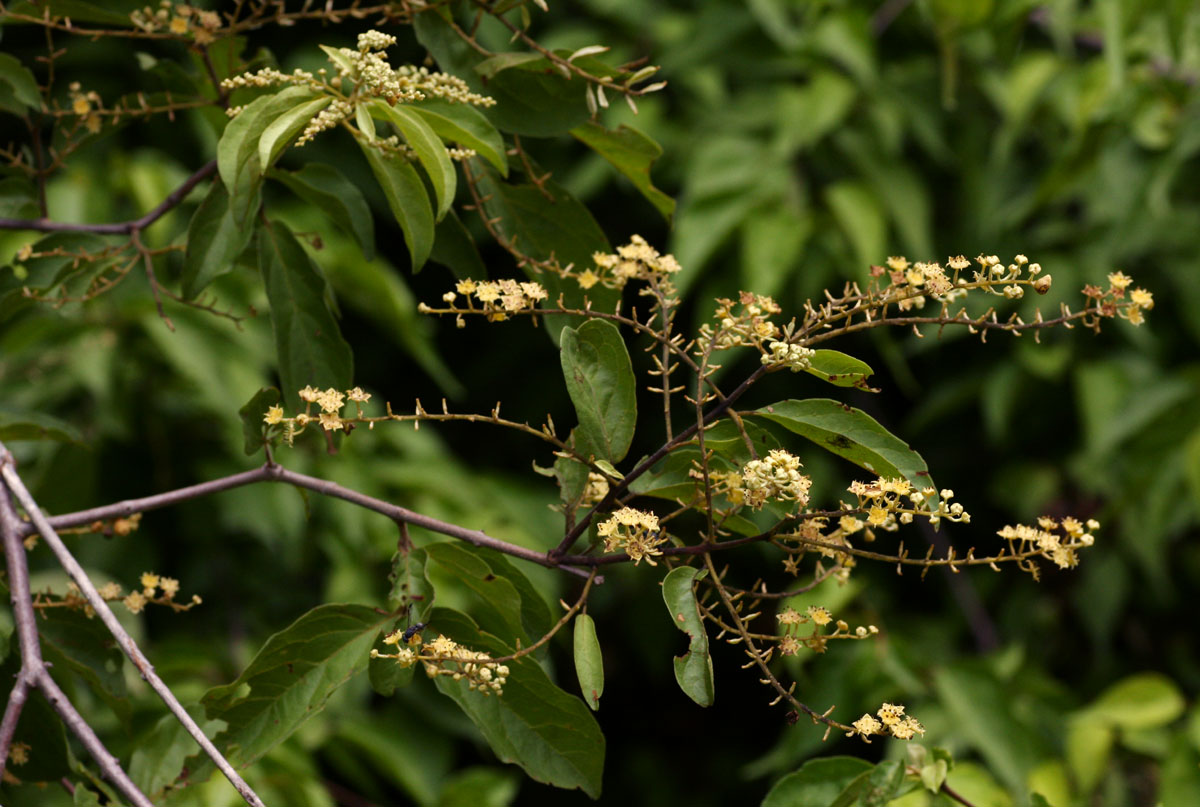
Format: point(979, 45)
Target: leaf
point(309, 344)
point(18, 199)
point(589, 662)
point(818, 782)
point(549, 223)
point(840, 369)
point(479, 787)
point(630, 152)
point(1089, 743)
point(600, 381)
point(36, 426)
point(279, 135)
point(982, 707)
point(1142, 701)
point(214, 240)
point(693, 670)
point(253, 426)
point(465, 125)
point(381, 295)
point(493, 65)
point(454, 248)
point(537, 103)
point(428, 147)
point(237, 152)
point(70, 640)
point(407, 199)
point(860, 216)
point(84, 796)
point(853, 435)
point(47, 273)
point(534, 724)
point(22, 86)
point(327, 189)
point(39, 728)
point(159, 756)
point(291, 677)
point(502, 611)
point(883, 784)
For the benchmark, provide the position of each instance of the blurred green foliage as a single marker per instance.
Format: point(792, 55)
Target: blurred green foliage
point(803, 141)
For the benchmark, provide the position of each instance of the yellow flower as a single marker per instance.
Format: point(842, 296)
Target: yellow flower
point(149, 583)
point(1119, 280)
point(898, 264)
point(179, 25)
point(587, 279)
point(819, 615)
point(169, 586)
point(274, 415)
point(135, 602)
point(1141, 297)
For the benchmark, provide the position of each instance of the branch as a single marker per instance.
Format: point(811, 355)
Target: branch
point(124, 640)
point(33, 668)
point(277, 473)
point(123, 228)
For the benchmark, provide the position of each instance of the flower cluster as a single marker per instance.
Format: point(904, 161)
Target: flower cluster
point(444, 656)
point(495, 298)
point(155, 590)
point(634, 531)
point(636, 260)
point(368, 69)
point(84, 105)
point(777, 478)
point(784, 354)
point(888, 501)
point(790, 621)
point(179, 19)
point(1110, 301)
point(1043, 540)
point(892, 721)
point(747, 325)
point(330, 402)
point(596, 490)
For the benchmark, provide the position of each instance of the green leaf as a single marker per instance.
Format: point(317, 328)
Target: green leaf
point(840, 369)
point(72, 641)
point(412, 595)
point(327, 189)
point(406, 197)
point(18, 199)
point(534, 724)
point(599, 376)
point(818, 782)
point(428, 147)
point(21, 84)
point(479, 787)
point(589, 662)
point(494, 65)
point(853, 435)
point(308, 342)
point(291, 677)
point(36, 426)
point(1089, 743)
point(538, 103)
point(1142, 701)
point(253, 427)
point(982, 707)
point(693, 670)
point(39, 728)
point(632, 153)
point(48, 273)
point(501, 614)
point(883, 784)
point(84, 796)
point(279, 135)
point(381, 295)
point(454, 248)
point(549, 223)
point(859, 214)
point(465, 125)
point(237, 151)
point(159, 756)
point(366, 124)
point(214, 240)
